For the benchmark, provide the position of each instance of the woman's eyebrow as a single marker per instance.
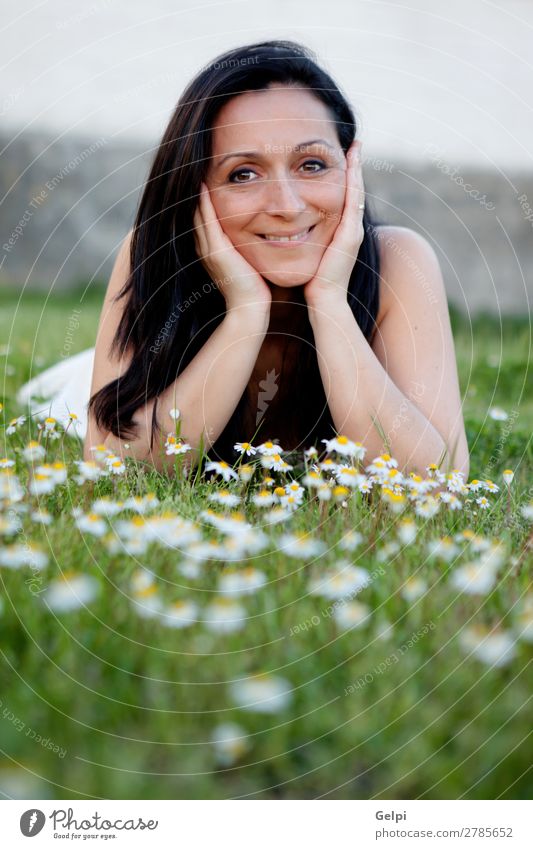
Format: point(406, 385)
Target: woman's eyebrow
point(255, 154)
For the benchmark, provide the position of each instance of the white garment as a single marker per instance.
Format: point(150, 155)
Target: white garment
point(61, 389)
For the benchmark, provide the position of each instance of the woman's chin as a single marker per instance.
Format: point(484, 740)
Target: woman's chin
point(288, 278)
point(288, 281)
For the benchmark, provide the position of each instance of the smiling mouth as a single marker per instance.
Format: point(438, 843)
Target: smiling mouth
point(281, 239)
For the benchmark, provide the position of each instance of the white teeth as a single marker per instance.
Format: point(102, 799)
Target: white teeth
point(287, 238)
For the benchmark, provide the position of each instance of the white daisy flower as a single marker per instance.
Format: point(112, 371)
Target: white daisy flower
point(17, 555)
point(223, 469)
point(10, 525)
point(224, 497)
point(6, 463)
point(262, 693)
point(175, 446)
point(493, 556)
point(351, 615)
point(293, 488)
point(455, 481)
point(340, 493)
point(232, 524)
point(107, 507)
point(277, 515)
point(527, 511)
point(389, 461)
point(300, 544)
point(498, 414)
point(413, 588)
point(495, 647)
point(451, 500)
point(147, 602)
point(323, 492)
point(49, 426)
point(244, 448)
point(348, 476)
point(208, 550)
point(180, 614)
point(14, 424)
point(101, 452)
point(115, 465)
point(483, 502)
point(245, 472)
point(435, 473)
point(508, 476)
point(339, 581)
point(427, 507)
point(289, 502)
point(268, 449)
point(89, 470)
point(385, 554)
point(33, 451)
point(142, 504)
point(263, 498)
point(345, 447)
point(395, 501)
point(328, 465)
point(224, 616)
point(350, 541)
point(10, 487)
point(70, 592)
point(41, 485)
point(310, 452)
point(246, 581)
point(230, 743)
point(91, 524)
point(141, 580)
point(473, 578)
point(275, 462)
point(365, 485)
point(174, 414)
point(313, 479)
point(407, 531)
point(41, 517)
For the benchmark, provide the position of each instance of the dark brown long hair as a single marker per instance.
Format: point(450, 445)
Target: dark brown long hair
point(170, 305)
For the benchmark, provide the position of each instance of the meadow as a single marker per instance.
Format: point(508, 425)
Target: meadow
point(330, 630)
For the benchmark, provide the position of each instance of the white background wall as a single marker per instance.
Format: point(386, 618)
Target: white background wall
point(456, 73)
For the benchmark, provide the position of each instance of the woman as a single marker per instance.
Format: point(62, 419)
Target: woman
point(256, 294)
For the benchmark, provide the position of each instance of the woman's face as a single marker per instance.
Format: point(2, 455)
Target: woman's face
point(277, 170)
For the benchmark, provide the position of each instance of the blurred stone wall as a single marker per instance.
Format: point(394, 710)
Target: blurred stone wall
point(67, 202)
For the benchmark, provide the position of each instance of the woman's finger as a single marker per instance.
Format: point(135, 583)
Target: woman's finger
point(213, 229)
point(199, 233)
point(352, 215)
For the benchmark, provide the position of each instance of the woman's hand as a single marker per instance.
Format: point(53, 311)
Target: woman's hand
point(329, 286)
point(240, 284)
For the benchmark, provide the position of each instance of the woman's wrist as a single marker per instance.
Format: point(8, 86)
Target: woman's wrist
point(250, 317)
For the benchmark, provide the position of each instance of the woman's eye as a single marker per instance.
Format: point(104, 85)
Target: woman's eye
point(237, 173)
point(316, 166)
point(314, 162)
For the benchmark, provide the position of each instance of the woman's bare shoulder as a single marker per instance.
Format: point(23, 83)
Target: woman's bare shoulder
point(395, 245)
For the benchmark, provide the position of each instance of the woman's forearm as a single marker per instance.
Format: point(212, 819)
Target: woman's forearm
point(206, 392)
point(358, 388)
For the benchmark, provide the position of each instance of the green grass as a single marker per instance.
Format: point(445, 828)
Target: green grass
point(133, 703)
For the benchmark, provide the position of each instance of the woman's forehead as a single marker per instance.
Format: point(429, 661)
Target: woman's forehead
point(255, 120)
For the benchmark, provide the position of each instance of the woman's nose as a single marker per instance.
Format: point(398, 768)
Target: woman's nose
point(283, 197)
